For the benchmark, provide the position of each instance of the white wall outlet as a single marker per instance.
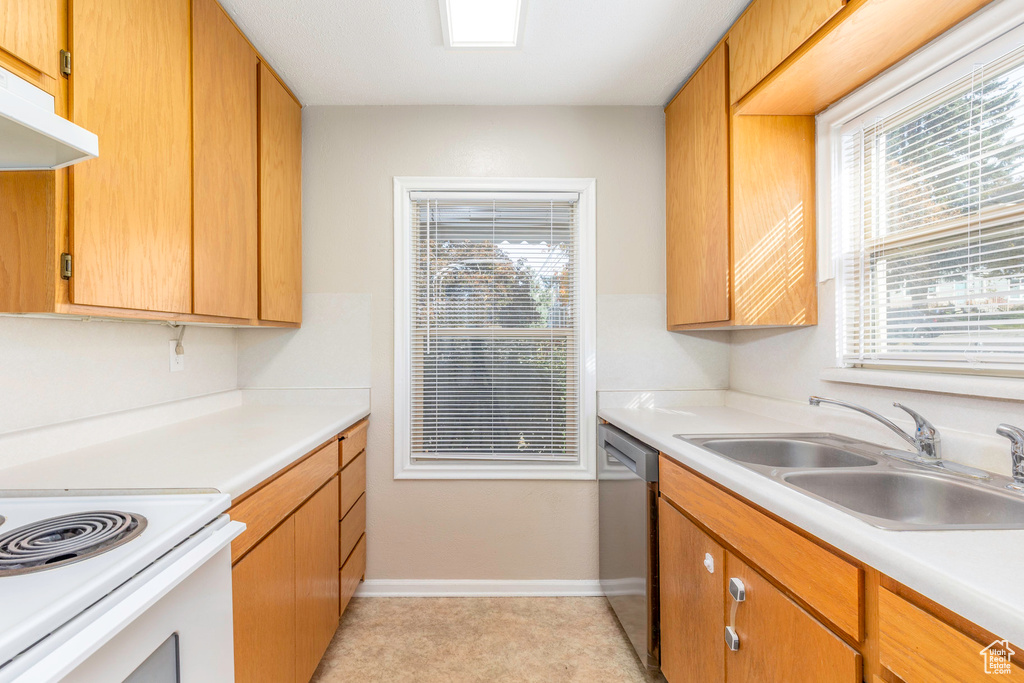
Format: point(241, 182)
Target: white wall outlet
point(177, 360)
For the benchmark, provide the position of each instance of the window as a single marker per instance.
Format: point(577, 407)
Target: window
point(931, 215)
point(494, 303)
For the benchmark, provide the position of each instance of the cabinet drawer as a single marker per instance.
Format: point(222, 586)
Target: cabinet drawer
point(777, 637)
point(353, 526)
point(353, 483)
point(352, 572)
point(920, 648)
point(767, 33)
point(353, 442)
point(265, 507)
point(827, 583)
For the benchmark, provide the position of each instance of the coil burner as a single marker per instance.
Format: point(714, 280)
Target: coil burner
point(58, 541)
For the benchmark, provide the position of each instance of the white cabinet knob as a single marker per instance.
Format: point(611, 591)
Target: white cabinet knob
point(709, 563)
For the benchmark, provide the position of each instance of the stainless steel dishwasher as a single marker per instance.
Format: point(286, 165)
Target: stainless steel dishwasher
point(628, 528)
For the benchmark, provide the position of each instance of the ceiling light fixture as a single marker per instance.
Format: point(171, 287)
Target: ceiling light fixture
point(482, 23)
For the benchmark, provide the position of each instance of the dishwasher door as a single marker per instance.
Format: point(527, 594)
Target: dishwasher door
point(628, 528)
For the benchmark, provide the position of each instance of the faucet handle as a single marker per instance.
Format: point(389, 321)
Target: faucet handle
point(926, 435)
point(1014, 434)
point(1016, 437)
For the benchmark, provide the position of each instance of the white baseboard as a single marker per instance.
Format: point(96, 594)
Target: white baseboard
point(469, 588)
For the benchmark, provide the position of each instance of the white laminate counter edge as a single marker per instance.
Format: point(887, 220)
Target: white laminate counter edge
point(230, 451)
point(269, 467)
point(970, 572)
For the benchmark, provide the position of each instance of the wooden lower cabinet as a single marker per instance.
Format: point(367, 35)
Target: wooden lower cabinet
point(286, 595)
point(779, 641)
point(297, 564)
point(692, 600)
point(809, 614)
point(263, 590)
point(316, 578)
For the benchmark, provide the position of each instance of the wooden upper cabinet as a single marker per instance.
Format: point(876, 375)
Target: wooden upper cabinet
point(131, 208)
point(280, 177)
point(697, 194)
point(767, 33)
point(773, 221)
point(30, 30)
point(224, 171)
point(692, 600)
point(781, 642)
point(870, 36)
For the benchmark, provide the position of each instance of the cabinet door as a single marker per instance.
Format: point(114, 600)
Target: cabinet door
point(767, 33)
point(30, 30)
point(697, 194)
point(263, 590)
point(131, 208)
point(280, 201)
point(779, 641)
point(773, 241)
point(224, 169)
point(692, 600)
point(316, 578)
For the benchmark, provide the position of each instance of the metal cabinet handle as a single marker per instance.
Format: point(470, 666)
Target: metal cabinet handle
point(737, 590)
point(732, 640)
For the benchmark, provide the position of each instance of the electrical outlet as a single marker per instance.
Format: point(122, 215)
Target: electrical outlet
point(177, 361)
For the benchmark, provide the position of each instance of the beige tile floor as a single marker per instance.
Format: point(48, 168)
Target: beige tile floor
point(469, 640)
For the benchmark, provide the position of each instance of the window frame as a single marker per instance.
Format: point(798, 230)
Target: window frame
point(985, 36)
point(585, 468)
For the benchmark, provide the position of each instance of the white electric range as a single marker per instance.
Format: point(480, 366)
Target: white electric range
point(115, 586)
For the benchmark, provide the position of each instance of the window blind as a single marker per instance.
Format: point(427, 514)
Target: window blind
point(495, 335)
point(933, 228)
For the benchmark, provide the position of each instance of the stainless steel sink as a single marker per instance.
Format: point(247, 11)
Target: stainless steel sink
point(786, 452)
point(910, 499)
point(862, 479)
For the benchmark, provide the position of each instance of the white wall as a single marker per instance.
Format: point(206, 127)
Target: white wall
point(475, 529)
point(56, 370)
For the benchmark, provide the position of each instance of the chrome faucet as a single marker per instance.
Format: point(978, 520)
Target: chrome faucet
point(1016, 437)
point(926, 441)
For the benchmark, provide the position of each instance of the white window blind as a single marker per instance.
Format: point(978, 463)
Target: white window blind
point(494, 356)
point(933, 228)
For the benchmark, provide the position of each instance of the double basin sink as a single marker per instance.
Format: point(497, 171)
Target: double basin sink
point(859, 478)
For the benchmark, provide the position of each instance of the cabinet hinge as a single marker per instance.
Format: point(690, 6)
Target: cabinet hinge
point(65, 62)
point(65, 266)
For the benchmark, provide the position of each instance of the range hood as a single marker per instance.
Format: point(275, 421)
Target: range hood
point(32, 136)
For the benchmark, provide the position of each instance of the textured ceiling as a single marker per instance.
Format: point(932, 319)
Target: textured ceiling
point(573, 51)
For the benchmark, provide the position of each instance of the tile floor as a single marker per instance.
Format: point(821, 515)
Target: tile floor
point(478, 640)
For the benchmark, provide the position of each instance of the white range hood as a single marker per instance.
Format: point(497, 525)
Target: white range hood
point(32, 136)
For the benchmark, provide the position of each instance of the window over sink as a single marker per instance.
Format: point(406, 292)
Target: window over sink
point(928, 198)
point(494, 328)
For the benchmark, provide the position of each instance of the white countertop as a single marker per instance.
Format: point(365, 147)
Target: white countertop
point(230, 451)
point(977, 574)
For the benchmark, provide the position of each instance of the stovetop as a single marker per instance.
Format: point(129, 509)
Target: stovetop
point(35, 603)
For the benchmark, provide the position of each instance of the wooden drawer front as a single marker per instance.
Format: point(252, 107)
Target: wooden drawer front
point(352, 572)
point(353, 483)
point(352, 527)
point(919, 648)
point(767, 33)
point(353, 442)
point(829, 584)
point(779, 641)
point(265, 508)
